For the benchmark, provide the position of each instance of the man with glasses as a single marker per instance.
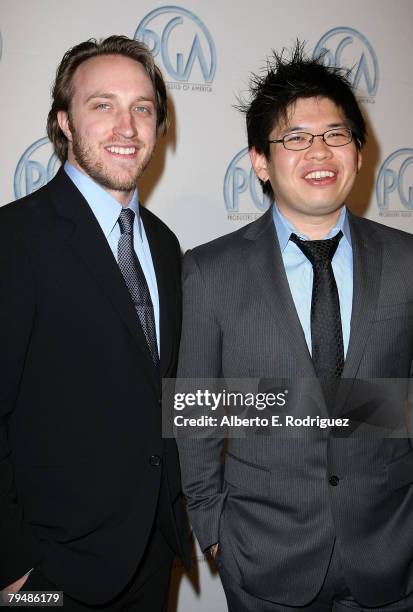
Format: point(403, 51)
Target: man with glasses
point(309, 520)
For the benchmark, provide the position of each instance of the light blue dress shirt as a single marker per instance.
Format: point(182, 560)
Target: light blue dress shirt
point(107, 210)
point(300, 272)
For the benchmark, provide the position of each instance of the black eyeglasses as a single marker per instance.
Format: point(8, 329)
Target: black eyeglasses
point(298, 141)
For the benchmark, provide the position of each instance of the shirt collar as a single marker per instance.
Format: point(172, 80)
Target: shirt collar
point(104, 206)
point(285, 228)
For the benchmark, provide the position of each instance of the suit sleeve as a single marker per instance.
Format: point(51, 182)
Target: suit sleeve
point(200, 357)
point(19, 549)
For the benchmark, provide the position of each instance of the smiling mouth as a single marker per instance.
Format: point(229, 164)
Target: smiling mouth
point(122, 150)
point(319, 175)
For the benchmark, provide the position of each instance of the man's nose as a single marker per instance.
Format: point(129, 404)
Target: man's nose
point(125, 124)
point(318, 149)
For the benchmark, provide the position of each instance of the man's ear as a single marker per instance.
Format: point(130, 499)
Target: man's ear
point(259, 163)
point(64, 124)
point(359, 160)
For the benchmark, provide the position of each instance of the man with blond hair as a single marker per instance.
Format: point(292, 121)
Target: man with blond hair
point(90, 500)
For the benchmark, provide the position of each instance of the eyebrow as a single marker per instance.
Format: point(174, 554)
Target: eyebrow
point(110, 96)
point(300, 128)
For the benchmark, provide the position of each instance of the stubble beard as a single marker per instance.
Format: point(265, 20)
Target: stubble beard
point(101, 174)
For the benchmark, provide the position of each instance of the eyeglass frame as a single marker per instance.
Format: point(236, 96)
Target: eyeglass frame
point(281, 140)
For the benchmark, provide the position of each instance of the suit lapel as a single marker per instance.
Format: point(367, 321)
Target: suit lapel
point(90, 244)
point(166, 290)
point(367, 265)
point(263, 256)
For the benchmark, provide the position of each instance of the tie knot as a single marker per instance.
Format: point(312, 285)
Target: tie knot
point(126, 219)
point(318, 251)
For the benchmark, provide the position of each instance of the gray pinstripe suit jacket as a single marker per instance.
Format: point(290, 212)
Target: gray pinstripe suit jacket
point(272, 508)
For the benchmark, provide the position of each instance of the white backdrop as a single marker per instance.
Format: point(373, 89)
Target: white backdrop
point(199, 182)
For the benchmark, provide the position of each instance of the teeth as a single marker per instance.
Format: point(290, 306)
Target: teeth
point(319, 174)
point(122, 150)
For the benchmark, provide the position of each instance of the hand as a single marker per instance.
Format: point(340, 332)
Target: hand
point(14, 587)
point(212, 550)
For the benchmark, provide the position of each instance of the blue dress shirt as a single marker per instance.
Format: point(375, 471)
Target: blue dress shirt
point(107, 210)
point(300, 272)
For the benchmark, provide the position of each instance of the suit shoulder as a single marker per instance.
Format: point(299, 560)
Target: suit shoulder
point(223, 247)
point(388, 235)
point(154, 223)
point(20, 215)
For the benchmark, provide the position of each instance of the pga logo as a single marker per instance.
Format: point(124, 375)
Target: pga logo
point(345, 47)
point(394, 185)
point(182, 41)
point(242, 190)
point(36, 167)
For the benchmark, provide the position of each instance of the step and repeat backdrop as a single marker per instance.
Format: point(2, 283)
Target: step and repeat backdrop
point(200, 181)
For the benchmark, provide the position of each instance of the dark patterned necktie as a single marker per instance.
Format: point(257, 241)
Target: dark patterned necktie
point(326, 330)
point(136, 282)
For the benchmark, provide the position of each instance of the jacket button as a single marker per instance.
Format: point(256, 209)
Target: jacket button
point(155, 460)
point(334, 480)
